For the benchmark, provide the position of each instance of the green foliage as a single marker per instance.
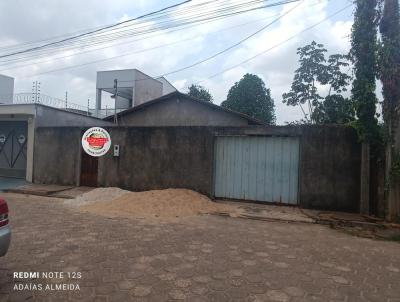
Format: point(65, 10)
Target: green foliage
point(251, 97)
point(199, 92)
point(389, 74)
point(334, 110)
point(389, 57)
point(337, 79)
point(363, 54)
point(315, 71)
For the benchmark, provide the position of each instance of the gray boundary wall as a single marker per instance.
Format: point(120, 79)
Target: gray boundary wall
point(183, 157)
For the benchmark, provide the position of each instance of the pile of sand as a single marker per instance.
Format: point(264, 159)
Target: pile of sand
point(97, 195)
point(169, 203)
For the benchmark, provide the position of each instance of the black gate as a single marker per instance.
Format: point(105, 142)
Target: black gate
point(13, 145)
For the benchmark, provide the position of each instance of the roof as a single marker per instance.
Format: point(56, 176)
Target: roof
point(178, 94)
point(31, 106)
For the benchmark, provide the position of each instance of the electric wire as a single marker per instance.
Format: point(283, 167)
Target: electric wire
point(147, 30)
point(94, 31)
point(132, 42)
point(276, 45)
point(198, 62)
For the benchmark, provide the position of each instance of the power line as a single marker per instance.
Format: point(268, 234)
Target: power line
point(236, 44)
point(99, 33)
point(12, 61)
point(258, 54)
point(276, 45)
point(131, 42)
point(95, 31)
point(191, 65)
point(224, 11)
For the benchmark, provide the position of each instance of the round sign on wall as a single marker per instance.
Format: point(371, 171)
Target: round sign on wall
point(96, 141)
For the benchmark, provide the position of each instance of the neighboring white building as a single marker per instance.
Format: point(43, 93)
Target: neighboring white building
point(167, 86)
point(6, 89)
point(133, 88)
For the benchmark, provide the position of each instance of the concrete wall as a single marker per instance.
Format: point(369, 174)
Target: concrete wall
point(57, 155)
point(159, 158)
point(180, 112)
point(164, 157)
point(167, 86)
point(330, 168)
point(146, 89)
point(48, 116)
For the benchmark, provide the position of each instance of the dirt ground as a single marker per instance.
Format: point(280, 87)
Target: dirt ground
point(175, 204)
point(202, 258)
point(155, 204)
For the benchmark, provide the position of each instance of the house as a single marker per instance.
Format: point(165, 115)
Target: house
point(178, 109)
point(176, 141)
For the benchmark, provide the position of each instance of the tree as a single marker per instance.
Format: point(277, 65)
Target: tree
point(251, 97)
point(363, 54)
point(334, 110)
point(389, 59)
point(315, 71)
point(389, 74)
point(199, 92)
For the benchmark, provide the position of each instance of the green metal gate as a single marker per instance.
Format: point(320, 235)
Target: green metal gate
point(13, 146)
point(257, 168)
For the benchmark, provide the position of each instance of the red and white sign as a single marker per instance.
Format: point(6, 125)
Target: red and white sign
point(96, 141)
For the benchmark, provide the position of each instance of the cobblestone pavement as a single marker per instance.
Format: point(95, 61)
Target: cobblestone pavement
point(206, 258)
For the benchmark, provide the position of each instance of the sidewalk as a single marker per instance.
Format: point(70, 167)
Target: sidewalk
point(8, 183)
point(268, 212)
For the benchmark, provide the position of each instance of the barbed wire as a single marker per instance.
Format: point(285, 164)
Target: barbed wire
point(38, 98)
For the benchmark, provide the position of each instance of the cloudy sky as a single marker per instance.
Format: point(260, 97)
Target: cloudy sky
point(24, 21)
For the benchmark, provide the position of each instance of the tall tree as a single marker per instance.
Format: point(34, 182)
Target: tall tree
point(315, 71)
point(364, 56)
point(389, 74)
point(251, 97)
point(199, 92)
point(363, 53)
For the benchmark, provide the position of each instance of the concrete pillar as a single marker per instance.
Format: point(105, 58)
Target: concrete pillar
point(30, 149)
point(365, 178)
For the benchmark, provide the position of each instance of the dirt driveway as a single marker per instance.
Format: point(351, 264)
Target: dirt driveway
point(206, 258)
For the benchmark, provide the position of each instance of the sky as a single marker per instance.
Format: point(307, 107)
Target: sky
point(24, 21)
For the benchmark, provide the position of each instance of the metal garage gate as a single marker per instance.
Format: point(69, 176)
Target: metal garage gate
point(257, 168)
point(13, 140)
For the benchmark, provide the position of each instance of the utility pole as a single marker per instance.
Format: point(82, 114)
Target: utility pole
point(88, 106)
point(66, 99)
point(115, 101)
point(36, 92)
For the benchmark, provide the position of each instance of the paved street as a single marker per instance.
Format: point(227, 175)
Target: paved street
point(206, 258)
